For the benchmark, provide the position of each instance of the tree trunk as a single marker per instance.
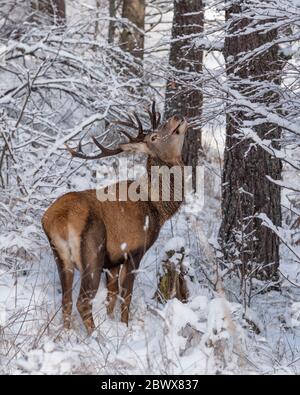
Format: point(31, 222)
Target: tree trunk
point(55, 9)
point(172, 283)
point(132, 36)
point(247, 189)
point(96, 33)
point(112, 25)
point(186, 62)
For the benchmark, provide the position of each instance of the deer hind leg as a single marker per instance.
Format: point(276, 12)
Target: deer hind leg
point(127, 277)
point(112, 276)
point(92, 252)
point(66, 275)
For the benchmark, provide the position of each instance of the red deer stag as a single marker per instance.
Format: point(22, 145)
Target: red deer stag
point(89, 235)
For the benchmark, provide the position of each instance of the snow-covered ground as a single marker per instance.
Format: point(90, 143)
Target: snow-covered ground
point(208, 335)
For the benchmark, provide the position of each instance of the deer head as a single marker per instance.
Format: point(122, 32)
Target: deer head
point(164, 142)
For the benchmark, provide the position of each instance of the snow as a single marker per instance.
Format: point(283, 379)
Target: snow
point(175, 338)
point(295, 315)
point(175, 244)
point(215, 332)
point(2, 314)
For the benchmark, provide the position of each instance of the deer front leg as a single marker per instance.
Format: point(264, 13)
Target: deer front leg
point(127, 282)
point(127, 276)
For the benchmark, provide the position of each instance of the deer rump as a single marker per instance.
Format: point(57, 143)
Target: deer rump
point(93, 236)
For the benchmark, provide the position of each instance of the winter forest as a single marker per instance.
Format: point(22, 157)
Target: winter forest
point(87, 87)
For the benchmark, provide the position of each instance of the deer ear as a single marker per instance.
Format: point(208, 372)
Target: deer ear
point(136, 147)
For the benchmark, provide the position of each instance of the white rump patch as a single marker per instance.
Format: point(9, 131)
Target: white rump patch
point(74, 246)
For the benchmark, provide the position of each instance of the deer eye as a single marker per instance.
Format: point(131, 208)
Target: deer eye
point(153, 138)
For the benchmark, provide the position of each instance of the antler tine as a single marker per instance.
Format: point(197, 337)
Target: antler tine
point(129, 123)
point(125, 123)
point(140, 126)
point(155, 117)
point(105, 152)
point(153, 107)
point(80, 146)
point(151, 119)
point(158, 119)
point(78, 154)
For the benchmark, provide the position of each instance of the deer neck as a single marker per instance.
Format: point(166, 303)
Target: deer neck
point(167, 208)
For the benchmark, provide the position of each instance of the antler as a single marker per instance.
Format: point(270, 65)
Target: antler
point(155, 117)
point(130, 123)
point(106, 152)
point(135, 124)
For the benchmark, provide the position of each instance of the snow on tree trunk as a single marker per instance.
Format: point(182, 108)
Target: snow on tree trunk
point(254, 71)
point(186, 64)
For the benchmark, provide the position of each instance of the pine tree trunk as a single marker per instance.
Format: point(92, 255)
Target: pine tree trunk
point(132, 36)
point(186, 62)
point(112, 25)
point(247, 189)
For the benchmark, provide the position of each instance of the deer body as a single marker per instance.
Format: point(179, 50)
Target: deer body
point(91, 235)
